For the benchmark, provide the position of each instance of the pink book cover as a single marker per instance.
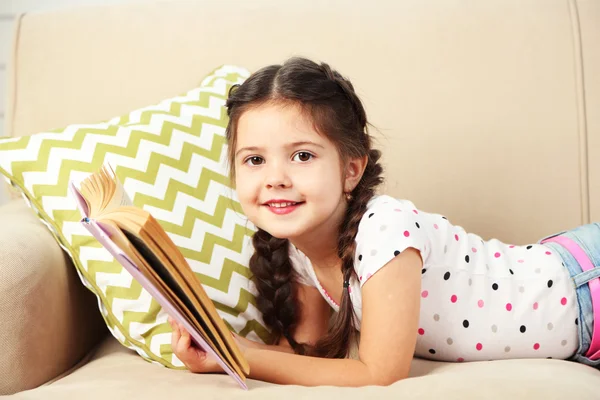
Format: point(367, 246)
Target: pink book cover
point(103, 236)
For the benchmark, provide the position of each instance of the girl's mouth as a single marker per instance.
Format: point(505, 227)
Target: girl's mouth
point(284, 207)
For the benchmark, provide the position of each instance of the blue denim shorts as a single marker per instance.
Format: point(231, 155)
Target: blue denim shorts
point(588, 238)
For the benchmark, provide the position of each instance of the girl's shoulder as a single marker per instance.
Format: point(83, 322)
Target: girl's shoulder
point(387, 228)
point(384, 211)
point(387, 204)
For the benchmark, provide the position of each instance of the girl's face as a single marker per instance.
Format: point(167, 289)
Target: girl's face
point(288, 176)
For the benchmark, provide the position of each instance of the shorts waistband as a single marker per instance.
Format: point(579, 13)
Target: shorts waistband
point(594, 285)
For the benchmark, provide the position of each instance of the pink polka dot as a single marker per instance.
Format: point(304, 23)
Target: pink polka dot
point(406, 233)
point(415, 211)
point(397, 209)
point(563, 301)
point(424, 293)
point(521, 261)
point(474, 250)
point(460, 359)
point(368, 276)
point(456, 237)
point(349, 289)
point(360, 278)
point(436, 226)
point(548, 252)
point(497, 255)
point(421, 331)
point(508, 306)
point(511, 246)
point(536, 346)
point(535, 305)
point(479, 346)
point(453, 298)
point(480, 303)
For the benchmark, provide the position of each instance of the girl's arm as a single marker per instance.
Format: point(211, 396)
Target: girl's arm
point(391, 305)
point(312, 324)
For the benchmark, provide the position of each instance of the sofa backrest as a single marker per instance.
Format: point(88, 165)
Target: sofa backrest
point(487, 112)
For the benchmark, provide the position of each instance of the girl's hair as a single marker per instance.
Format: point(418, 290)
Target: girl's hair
point(336, 112)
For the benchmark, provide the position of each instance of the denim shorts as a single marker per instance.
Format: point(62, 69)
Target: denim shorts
point(588, 238)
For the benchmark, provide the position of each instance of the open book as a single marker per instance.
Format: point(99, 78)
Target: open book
point(140, 244)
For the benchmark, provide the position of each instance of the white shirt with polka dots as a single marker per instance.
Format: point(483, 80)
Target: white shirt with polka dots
point(480, 300)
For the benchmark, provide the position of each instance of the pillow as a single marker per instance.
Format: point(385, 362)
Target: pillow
point(172, 161)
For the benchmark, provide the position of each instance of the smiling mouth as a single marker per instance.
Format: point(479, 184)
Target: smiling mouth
point(283, 204)
point(283, 207)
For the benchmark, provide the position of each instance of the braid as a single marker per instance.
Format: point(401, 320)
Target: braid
point(337, 342)
point(272, 274)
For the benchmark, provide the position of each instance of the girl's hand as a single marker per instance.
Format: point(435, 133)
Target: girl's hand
point(194, 358)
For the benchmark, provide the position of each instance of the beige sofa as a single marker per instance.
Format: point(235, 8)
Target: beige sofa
point(487, 112)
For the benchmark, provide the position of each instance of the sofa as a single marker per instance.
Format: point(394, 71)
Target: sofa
point(487, 112)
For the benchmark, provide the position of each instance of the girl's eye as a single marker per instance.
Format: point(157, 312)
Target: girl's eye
point(303, 156)
point(254, 160)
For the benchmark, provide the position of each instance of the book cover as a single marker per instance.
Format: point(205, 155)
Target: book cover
point(102, 234)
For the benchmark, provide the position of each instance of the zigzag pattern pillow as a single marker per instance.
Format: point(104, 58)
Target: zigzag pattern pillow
point(171, 159)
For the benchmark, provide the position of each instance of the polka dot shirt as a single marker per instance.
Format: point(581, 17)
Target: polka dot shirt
point(480, 300)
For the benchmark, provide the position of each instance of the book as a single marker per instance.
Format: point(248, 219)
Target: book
point(140, 244)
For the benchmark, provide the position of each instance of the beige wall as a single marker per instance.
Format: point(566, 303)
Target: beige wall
point(9, 9)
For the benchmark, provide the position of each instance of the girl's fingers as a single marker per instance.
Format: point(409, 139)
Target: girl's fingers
point(175, 338)
point(184, 343)
point(192, 356)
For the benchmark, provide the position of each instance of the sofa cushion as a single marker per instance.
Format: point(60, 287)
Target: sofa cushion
point(171, 159)
point(114, 373)
point(43, 306)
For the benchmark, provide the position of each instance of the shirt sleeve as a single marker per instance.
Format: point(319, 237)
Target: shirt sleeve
point(388, 227)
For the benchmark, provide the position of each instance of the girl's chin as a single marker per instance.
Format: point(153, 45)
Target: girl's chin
point(281, 234)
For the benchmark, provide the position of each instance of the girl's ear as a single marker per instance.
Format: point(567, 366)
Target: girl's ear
point(354, 172)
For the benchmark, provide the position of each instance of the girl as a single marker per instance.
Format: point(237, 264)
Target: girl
point(410, 281)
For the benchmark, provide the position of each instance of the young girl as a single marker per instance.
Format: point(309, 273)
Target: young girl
point(412, 283)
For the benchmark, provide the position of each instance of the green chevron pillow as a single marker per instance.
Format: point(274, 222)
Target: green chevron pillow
point(171, 159)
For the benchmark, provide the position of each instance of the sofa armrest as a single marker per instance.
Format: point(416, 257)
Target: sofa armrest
point(50, 321)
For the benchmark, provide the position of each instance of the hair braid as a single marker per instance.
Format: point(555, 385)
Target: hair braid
point(342, 333)
point(272, 274)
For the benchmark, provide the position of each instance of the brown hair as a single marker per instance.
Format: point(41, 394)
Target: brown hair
point(336, 112)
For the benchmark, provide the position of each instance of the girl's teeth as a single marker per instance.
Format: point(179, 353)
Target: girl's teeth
point(280, 205)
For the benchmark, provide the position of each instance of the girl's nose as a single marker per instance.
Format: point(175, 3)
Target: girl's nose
point(277, 177)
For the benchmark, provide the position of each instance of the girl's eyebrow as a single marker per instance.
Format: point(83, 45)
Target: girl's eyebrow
point(289, 145)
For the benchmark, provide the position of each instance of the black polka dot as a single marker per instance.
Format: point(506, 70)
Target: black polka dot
point(495, 286)
point(432, 351)
point(466, 323)
point(417, 224)
point(511, 271)
point(550, 283)
point(467, 258)
point(360, 257)
point(396, 252)
point(576, 321)
point(444, 218)
point(529, 247)
point(423, 270)
point(549, 358)
point(447, 276)
point(522, 329)
point(370, 215)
